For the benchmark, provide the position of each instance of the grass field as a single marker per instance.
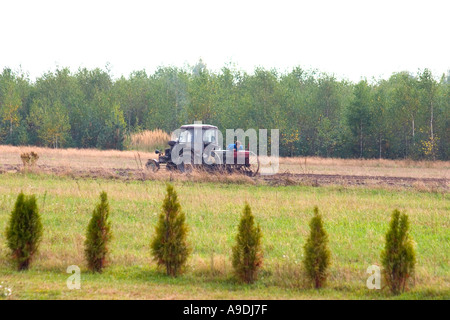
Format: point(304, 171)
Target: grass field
point(355, 218)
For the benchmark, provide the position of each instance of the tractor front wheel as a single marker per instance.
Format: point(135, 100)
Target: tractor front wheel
point(152, 165)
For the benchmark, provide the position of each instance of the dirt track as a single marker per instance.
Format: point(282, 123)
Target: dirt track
point(352, 180)
point(280, 179)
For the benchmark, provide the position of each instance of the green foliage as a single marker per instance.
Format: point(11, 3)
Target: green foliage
point(316, 114)
point(201, 100)
point(24, 232)
point(359, 116)
point(14, 88)
point(317, 256)
point(327, 136)
point(51, 122)
point(112, 135)
point(398, 257)
point(169, 245)
point(98, 236)
point(247, 253)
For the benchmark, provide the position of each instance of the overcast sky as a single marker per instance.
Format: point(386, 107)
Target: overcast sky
point(352, 39)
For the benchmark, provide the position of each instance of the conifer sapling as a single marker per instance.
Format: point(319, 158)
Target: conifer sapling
point(398, 257)
point(24, 232)
point(169, 245)
point(98, 236)
point(247, 253)
point(316, 253)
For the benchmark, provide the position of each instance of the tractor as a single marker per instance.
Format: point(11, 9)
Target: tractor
point(196, 147)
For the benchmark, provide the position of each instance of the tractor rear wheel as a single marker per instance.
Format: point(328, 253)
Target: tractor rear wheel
point(187, 167)
point(252, 168)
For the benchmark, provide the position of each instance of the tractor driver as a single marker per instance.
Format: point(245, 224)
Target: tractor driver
point(235, 146)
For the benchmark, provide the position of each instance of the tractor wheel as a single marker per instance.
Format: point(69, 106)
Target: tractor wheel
point(152, 165)
point(253, 167)
point(218, 164)
point(187, 167)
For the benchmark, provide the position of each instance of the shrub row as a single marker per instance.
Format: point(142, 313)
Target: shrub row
point(170, 248)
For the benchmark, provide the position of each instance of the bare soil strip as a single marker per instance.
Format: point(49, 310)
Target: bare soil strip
point(314, 171)
point(280, 179)
point(358, 180)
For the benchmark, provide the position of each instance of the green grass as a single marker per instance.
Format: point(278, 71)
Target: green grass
point(356, 220)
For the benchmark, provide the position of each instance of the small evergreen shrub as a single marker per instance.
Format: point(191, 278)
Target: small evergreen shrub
point(98, 236)
point(247, 253)
point(24, 232)
point(316, 253)
point(29, 159)
point(169, 245)
point(398, 257)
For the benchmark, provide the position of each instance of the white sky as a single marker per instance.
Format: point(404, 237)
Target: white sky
point(351, 39)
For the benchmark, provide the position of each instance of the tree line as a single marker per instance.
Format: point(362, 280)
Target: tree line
point(405, 116)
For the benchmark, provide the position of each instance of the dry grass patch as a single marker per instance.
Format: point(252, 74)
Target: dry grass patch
point(149, 140)
point(366, 167)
